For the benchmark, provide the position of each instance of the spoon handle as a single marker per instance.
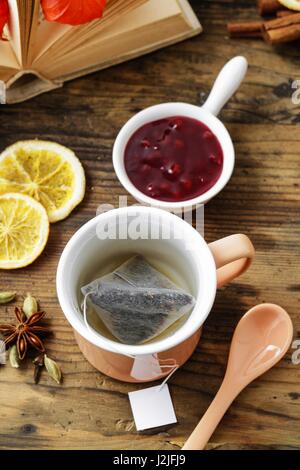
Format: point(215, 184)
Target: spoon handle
point(226, 84)
point(204, 430)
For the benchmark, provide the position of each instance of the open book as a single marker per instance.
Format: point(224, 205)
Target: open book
point(41, 55)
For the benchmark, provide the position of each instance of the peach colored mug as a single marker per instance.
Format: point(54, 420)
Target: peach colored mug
point(172, 245)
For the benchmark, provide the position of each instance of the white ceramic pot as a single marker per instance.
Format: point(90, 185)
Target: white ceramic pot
point(225, 86)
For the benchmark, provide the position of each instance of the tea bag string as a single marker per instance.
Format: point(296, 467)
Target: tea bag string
point(173, 367)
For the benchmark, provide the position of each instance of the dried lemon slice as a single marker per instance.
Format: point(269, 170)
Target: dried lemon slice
point(291, 4)
point(24, 230)
point(46, 171)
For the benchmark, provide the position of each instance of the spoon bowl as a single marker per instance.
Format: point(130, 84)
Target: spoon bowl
point(261, 339)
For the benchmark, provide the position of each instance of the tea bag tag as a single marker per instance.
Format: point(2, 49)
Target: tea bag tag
point(152, 407)
point(146, 366)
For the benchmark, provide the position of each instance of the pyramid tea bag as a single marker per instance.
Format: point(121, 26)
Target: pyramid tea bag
point(136, 302)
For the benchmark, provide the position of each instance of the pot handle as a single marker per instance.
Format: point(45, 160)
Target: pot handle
point(233, 256)
point(226, 84)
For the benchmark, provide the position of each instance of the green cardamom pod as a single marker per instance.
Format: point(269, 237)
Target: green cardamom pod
point(6, 297)
point(53, 369)
point(14, 357)
point(30, 306)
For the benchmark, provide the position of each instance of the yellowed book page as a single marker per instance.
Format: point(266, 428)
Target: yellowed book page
point(63, 47)
point(23, 16)
point(147, 28)
point(7, 56)
point(189, 13)
point(48, 34)
point(15, 29)
point(31, 33)
point(150, 12)
point(80, 35)
point(9, 66)
point(6, 74)
point(54, 36)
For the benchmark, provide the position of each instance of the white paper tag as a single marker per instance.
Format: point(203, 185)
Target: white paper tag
point(146, 367)
point(152, 407)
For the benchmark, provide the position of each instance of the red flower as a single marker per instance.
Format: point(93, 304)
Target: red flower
point(4, 15)
point(73, 12)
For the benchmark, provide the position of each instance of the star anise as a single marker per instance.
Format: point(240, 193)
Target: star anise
point(25, 333)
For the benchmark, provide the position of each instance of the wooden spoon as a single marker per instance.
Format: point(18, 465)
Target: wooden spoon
point(261, 339)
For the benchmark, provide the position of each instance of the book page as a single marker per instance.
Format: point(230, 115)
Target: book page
point(50, 33)
point(73, 39)
point(6, 74)
point(47, 35)
point(31, 32)
point(146, 27)
point(23, 21)
point(15, 29)
point(54, 36)
point(189, 14)
point(7, 56)
point(9, 65)
point(149, 12)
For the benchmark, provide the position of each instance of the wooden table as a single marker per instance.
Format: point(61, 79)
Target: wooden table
point(91, 411)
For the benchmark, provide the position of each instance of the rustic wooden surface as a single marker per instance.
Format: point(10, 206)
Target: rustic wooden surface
point(91, 411)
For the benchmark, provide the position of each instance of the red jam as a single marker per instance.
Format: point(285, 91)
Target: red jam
point(174, 159)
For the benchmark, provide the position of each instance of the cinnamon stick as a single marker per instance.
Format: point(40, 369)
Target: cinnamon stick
point(283, 13)
point(249, 29)
point(286, 29)
point(267, 7)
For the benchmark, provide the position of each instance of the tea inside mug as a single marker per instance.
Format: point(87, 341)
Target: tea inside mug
point(136, 303)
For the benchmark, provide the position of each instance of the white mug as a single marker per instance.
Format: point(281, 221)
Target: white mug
point(199, 267)
point(224, 87)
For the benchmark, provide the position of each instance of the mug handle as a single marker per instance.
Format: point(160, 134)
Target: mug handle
point(233, 256)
